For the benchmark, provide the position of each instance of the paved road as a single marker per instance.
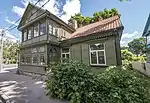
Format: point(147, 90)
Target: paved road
point(22, 89)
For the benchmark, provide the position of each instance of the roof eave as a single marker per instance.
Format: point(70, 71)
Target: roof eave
point(77, 39)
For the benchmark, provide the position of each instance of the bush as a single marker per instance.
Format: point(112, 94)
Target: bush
point(124, 86)
point(70, 80)
point(75, 82)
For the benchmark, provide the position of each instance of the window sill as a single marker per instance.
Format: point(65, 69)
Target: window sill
point(33, 37)
point(98, 65)
point(53, 35)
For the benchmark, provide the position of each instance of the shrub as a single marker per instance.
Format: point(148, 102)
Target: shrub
point(74, 81)
point(123, 86)
point(70, 80)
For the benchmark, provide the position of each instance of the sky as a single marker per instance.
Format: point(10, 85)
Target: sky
point(134, 13)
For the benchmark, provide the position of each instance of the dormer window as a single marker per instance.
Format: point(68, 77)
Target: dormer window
point(42, 28)
point(36, 33)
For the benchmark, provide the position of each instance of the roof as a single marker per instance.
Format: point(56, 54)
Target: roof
point(146, 31)
point(100, 26)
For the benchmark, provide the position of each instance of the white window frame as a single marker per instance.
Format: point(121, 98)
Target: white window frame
point(29, 33)
point(65, 53)
point(54, 31)
point(50, 29)
point(42, 63)
point(35, 34)
point(42, 28)
point(25, 34)
point(97, 55)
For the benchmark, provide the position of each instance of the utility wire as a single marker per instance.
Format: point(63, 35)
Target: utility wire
point(20, 18)
point(32, 14)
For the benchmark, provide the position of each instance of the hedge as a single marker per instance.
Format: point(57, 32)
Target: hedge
point(74, 81)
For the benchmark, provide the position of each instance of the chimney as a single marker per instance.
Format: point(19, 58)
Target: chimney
point(73, 23)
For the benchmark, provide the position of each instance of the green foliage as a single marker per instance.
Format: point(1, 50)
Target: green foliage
point(139, 58)
point(137, 46)
point(126, 55)
point(124, 86)
point(74, 81)
point(10, 50)
point(97, 16)
point(124, 47)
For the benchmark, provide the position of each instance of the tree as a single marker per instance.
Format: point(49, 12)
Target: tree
point(126, 55)
point(137, 46)
point(97, 16)
point(124, 47)
point(10, 50)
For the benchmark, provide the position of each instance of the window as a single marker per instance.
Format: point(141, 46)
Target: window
point(42, 49)
point(34, 59)
point(22, 59)
point(50, 29)
point(42, 59)
point(25, 35)
point(54, 31)
point(34, 50)
point(65, 53)
point(97, 54)
point(29, 33)
point(42, 28)
point(36, 33)
point(28, 59)
point(64, 34)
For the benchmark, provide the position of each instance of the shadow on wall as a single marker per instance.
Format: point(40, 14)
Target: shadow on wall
point(142, 67)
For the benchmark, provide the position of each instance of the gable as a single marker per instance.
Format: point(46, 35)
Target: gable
point(30, 10)
point(146, 31)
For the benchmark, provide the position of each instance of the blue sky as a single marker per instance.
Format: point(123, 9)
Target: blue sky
point(134, 14)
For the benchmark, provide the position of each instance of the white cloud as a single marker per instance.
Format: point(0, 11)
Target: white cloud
point(10, 22)
point(18, 10)
point(127, 37)
point(71, 7)
point(9, 36)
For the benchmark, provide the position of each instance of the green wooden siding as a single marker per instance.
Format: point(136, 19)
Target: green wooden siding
point(85, 53)
point(75, 52)
point(80, 51)
point(110, 52)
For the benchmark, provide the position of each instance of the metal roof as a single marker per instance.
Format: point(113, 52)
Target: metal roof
point(103, 25)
